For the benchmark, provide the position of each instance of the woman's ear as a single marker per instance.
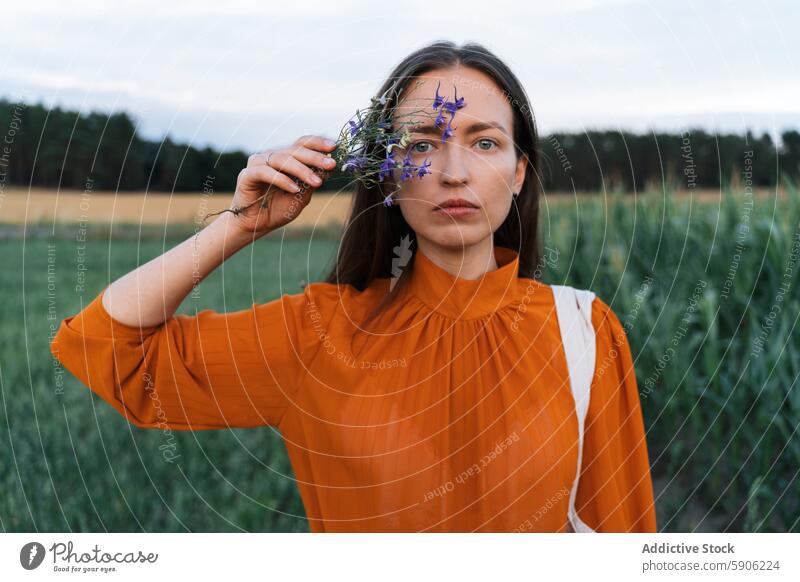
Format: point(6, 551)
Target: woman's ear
point(519, 174)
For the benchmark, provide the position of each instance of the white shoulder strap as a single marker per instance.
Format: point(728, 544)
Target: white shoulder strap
point(574, 309)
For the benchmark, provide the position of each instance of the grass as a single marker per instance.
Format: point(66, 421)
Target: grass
point(71, 463)
point(694, 288)
point(708, 294)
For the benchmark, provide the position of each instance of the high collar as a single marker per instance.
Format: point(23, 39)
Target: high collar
point(461, 298)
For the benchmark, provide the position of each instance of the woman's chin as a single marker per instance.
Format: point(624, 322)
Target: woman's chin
point(456, 236)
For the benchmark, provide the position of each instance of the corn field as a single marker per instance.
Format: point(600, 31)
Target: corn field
point(707, 292)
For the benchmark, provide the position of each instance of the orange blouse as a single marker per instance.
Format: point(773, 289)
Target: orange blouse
point(451, 413)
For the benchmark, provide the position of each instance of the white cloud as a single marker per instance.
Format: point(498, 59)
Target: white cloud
point(239, 70)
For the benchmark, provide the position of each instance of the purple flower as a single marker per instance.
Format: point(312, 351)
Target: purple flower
point(354, 127)
point(451, 106)
point(448, 131)
point(354, 163)
point(439, 118)
point(364, 132)
point(408, 167)
point(388, 200)
point(386, 167)
point(423, 169)
point(438, 101)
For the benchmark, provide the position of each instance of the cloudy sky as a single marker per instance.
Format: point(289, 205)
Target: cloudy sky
point(255, 74)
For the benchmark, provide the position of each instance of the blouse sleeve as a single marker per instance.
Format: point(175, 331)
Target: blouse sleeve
point(207, 371)
point(615, 491)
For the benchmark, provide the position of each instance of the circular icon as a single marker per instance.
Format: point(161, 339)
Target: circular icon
point(31, 555)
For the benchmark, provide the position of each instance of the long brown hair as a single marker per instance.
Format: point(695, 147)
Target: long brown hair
point(373, 229)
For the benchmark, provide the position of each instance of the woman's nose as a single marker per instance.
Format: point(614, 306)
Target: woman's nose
point(455, 167)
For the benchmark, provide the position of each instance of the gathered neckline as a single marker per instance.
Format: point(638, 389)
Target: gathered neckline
point(461, 298)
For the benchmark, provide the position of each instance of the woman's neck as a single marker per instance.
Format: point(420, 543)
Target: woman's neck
point(467, 262)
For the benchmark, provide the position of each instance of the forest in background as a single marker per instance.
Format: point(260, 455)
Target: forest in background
point(61, 148)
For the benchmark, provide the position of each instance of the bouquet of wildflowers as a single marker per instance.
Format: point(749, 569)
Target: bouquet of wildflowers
point(366, 145)
point(358, 135)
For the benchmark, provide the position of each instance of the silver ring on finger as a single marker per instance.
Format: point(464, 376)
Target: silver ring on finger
point(268, 157)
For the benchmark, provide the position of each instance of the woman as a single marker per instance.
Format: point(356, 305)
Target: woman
point(422, 386)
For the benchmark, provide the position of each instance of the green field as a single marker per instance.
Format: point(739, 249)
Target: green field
point(711, 309)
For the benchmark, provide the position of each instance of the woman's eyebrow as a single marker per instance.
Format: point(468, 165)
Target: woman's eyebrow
point(475, 127)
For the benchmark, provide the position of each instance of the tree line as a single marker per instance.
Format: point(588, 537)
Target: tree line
point(49, 148)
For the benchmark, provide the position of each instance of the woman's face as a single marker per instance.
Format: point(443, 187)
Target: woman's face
point(477, 164)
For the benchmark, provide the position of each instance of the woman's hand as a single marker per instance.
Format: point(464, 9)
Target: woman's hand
point(293, 173)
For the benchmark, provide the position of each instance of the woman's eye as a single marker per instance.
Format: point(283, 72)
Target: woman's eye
point(415, 146)
point(419, 143)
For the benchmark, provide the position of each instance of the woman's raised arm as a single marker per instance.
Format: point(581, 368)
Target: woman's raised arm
point(211, 370)
point(150, 294)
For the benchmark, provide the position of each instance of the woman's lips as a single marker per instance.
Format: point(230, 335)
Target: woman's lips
point(457, 211)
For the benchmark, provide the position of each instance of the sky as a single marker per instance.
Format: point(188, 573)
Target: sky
point(257, 74)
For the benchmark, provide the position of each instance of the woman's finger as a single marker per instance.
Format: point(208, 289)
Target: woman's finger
point(259, 159)
point(314, 158)
point(316, 142)
point(305, 155)
point(288, 163)
point(256, 176)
